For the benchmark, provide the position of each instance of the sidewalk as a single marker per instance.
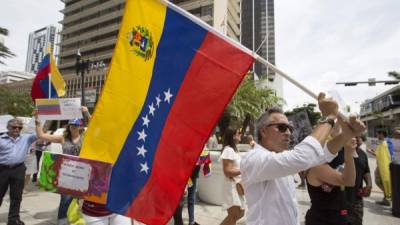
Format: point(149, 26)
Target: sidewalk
point(40, 208)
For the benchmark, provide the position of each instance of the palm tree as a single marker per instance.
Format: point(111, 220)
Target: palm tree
point(247, 104)
point(4, 51)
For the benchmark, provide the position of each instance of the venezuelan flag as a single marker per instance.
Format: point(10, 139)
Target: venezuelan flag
point(170, 79)
point(40, 85)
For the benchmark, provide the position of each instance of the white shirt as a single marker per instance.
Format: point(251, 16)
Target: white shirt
point(269, 184)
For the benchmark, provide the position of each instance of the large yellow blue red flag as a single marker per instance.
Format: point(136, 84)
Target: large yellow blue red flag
point(170, 79)
point(48, 82)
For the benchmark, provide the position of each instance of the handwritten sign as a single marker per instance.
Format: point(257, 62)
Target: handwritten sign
point(59, 108)
point(75, 176)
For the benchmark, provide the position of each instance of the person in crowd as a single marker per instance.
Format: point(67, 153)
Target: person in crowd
point(30, 166)
point(234, 201)
point(71, 142)
point(72, 139)
point(250, 141)
point(382, 171)
point(325, 185)
point(355, 195)
point(267, 171)
point(97, 214)
point(14, 147)
point(39, 146)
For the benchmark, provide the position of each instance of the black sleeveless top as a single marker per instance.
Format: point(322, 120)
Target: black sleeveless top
point(327, 208)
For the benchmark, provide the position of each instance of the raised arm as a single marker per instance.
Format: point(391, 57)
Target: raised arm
point(326, 174)
point(350, 129)
point(42, 135)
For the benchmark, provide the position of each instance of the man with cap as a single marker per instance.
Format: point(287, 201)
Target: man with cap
point(13, 150)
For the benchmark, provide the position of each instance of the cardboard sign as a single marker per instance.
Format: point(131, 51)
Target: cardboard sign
point(59, 108)
point(302, 127)
point(72, 175)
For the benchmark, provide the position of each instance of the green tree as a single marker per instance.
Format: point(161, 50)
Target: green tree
point(4, 51)
point(310, 109)
point(15, 103)
point(248, 103)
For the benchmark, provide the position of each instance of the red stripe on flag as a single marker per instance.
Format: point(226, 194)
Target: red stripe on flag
point(49, 111)
point(36, 91)
point(212, 79)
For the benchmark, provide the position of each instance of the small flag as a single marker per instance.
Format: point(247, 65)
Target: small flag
point(40, 85)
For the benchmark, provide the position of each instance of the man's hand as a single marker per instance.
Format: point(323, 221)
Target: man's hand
point(352, 127)
point(327, 106)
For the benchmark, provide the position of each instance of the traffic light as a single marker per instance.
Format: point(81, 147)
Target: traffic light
point(391, 82)
point(371, 82)
point(350, 84)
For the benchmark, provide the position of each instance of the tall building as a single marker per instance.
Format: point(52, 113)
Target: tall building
point(92, 27)
point(260, 37)
point(224, 15)
point(7, 77)
point(39, 41)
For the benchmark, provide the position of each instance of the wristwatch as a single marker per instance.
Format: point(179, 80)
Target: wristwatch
point(329, 120)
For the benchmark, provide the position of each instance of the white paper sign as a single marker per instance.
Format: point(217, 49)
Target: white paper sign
point(59, 108)
point(74, 175)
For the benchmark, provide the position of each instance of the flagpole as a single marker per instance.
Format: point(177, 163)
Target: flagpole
point(283, 74)
point(48, 52)
point(245, 49)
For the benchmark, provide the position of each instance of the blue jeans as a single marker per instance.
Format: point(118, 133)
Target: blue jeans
point(64, 204)
point(191, 199)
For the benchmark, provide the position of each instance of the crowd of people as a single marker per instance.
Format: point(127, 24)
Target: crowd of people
point(259, 183)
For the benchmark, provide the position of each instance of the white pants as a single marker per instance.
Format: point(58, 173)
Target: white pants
point(113, 219)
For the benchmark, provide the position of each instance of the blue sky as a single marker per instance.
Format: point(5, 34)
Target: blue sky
point(318, 42)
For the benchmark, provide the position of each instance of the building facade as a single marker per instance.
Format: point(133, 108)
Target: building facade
point(382, 112)
point(38, 43)
point(7, 77)
point(260, 37)
point(91, 26)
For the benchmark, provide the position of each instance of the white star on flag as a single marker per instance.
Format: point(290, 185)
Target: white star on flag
point(151, 109)
point(158, 99)
point(168, 96)
point(141, 151)
point(146, 121)
point(142, 135)
point(144, 168)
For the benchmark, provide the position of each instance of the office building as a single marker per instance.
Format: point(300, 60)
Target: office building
point(38, 44)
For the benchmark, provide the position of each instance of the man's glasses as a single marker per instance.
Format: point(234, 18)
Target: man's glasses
point(16, 127)
point(282, 127)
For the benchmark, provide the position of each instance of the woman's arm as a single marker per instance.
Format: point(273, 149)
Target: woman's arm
point(42, 135)
point(229, 169)
point(326, 174)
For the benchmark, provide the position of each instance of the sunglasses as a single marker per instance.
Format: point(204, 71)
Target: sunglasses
point(282, 127)
point(16, 127)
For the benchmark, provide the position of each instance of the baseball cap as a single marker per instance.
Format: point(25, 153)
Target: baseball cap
point(77, 122)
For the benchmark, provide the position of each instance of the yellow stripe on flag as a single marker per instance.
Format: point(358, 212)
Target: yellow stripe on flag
point(56, 78)
point(47, 101)
point(124, 92)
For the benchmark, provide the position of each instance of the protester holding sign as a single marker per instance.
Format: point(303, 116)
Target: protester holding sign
point(71, 142)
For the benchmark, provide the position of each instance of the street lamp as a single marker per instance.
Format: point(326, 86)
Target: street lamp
point(81, 66)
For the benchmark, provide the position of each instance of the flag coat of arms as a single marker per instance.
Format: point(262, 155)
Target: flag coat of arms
point(48, 82)
point(170, 79)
